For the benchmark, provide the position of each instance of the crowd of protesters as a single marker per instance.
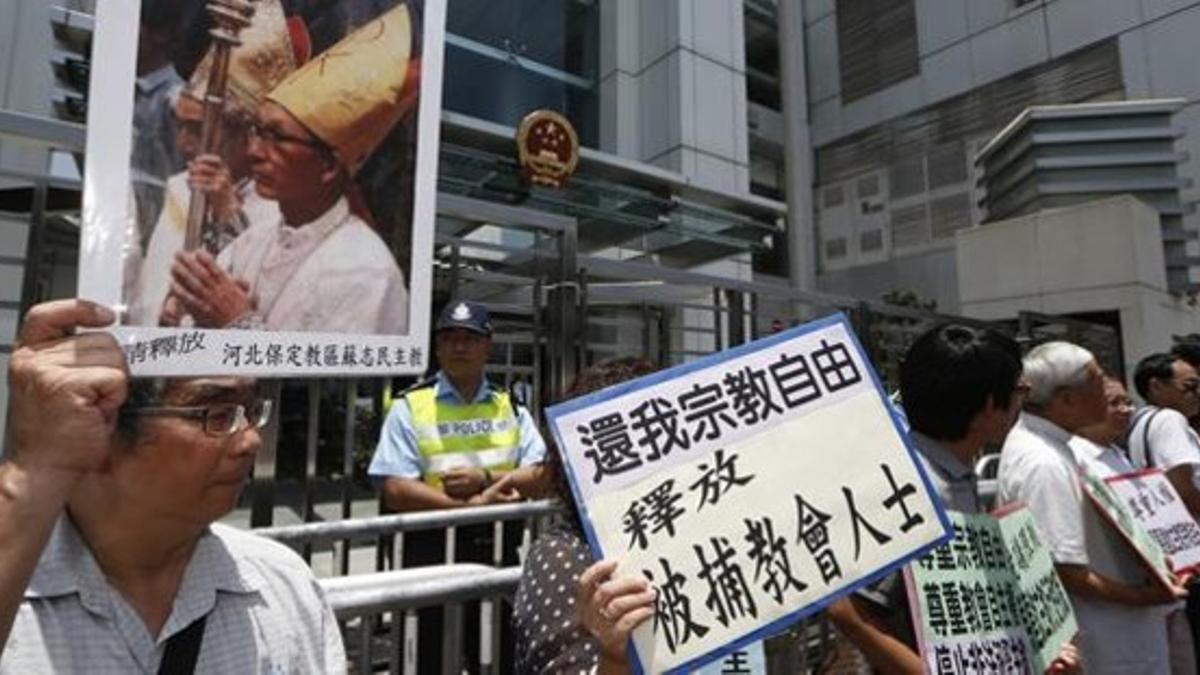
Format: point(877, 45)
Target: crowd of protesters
point(111, 559)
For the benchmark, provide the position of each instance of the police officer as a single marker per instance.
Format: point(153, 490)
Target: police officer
point(456, 440)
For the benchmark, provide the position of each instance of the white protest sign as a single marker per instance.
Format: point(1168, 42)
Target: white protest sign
point(1117, 514)
point(752, 487)
point(1152, 501)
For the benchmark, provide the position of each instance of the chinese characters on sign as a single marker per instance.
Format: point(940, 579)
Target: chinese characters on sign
point(748, 487)
point(989, 601)
point(748, 660)
point(1152, 501)
point(1106, 501)
point(706, 411)
point(257, 357)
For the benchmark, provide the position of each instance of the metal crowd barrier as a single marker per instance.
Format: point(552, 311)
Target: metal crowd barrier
point(377, 611)
point(368, 597)
point(365, 528)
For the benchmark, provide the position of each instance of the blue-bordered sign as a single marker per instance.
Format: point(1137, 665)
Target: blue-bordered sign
point(752, 487)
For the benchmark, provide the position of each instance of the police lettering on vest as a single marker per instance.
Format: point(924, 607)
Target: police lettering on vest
point(453, 435)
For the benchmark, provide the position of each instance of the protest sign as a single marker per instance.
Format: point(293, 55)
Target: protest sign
point(261, 186)
point(989, 600)
point(1114, 511)
point(1152, 501)
point(751, 487)
point(748, 660)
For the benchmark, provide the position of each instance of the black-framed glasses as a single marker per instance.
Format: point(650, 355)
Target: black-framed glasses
point(274, 137)
point(219, 419)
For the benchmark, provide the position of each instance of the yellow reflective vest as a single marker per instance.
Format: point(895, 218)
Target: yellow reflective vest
point(452, 435)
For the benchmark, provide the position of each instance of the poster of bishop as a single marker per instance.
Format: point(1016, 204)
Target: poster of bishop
point(260, 180)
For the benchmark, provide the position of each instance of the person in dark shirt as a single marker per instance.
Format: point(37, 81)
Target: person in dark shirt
point(570, 613)
point(961, 389)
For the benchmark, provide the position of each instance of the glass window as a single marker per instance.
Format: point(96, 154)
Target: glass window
point(506, 58)
point(762, 54)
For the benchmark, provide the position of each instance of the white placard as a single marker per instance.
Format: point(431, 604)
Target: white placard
point(1151, 499)
point(751, 487)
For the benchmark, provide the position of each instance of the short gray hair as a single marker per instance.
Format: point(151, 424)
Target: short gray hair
point(1053, 366)
point(143, 392)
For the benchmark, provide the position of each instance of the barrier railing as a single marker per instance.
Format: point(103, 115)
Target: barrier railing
point(363, 528)
point(389, 600)
point(377, 611)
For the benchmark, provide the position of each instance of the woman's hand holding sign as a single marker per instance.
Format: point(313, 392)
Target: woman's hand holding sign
point(611, 608)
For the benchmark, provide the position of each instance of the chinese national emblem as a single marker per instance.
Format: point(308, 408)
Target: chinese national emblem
point(548, 148)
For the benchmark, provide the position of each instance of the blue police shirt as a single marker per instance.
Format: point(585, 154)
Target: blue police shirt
point(397, 454)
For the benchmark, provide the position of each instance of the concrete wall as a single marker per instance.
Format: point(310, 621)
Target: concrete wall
point(963, 44)
point(26, 78)
point(673, 88)
point(1102, 256)
point(967, 43)
point(933, 276)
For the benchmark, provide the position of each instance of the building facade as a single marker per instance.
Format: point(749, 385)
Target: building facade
point(656, 90)
point(903, 93)
point(701, 122)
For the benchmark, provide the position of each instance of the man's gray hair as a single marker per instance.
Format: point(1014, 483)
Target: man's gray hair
point(142, 393)
point(1053, 366)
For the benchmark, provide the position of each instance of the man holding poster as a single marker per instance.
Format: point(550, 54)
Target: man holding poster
point(110, 557)
point(1038, 469)
point(1161, 437)
point(320, 267)
point(961, 390)
point(1096, 451)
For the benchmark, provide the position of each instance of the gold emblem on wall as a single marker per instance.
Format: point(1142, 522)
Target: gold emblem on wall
point(548, 148)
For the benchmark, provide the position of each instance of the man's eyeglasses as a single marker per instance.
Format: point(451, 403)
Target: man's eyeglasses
point(274, 137)
point(220, 419)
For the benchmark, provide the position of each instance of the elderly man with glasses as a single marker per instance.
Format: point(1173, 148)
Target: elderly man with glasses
point(1120, 612)
point(110, 559)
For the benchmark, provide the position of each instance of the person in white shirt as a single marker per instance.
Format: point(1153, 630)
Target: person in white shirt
point(1095, 446)
point(264, 56)
point(110, 557)
point(1161, 640)
point(1161, 437)
point(1038, 469)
